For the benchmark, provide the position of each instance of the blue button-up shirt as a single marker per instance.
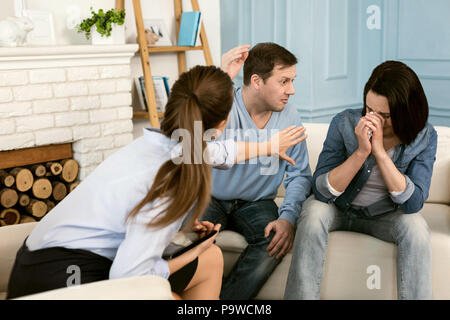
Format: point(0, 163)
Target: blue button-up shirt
point(260, 178)
point(415, 161)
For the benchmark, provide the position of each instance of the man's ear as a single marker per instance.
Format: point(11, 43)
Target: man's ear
point(256, 81)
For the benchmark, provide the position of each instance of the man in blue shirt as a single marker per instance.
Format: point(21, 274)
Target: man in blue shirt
point(243, 197)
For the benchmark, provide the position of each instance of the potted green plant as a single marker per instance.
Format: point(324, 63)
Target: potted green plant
point(104, 27)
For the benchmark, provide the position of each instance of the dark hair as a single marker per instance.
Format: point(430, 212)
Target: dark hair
point(263, 57)
point(407, 101)
point(202, 94)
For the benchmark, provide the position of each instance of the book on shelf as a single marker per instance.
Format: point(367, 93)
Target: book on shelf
point(162, 90)
point(189, 26)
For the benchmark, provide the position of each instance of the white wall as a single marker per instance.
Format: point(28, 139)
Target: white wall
point(162, 9)
point(161, 64)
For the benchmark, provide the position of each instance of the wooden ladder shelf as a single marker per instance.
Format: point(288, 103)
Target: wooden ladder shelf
point(145, 51)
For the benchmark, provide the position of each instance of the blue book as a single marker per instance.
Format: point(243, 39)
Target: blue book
point(166, 85)
point(162, 90)
point(189, 26)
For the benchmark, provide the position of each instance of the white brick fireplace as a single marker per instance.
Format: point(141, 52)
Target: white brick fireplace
point(79, 94)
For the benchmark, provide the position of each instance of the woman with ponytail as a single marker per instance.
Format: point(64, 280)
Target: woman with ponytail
point(120, 219)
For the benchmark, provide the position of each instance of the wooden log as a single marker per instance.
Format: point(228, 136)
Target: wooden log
point(73, 185)
point(9, 216)
point(42, 188)
point(24, 199)
point(54, 167)
point(59, 190)
point(70, 170)
point(6, 179)
point(37, 208)
point(50, 205)
point(24, 179)
point(8, 197)
point(26, 219)
point(39, 170)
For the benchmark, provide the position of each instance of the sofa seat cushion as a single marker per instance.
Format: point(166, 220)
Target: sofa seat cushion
point(440, 181)
point(350, 254)
point(149, 287)
point(12, 238)
point(437, 217)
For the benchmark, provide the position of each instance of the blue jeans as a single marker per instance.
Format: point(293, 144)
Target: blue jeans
point(254, 265)
point(408, 231)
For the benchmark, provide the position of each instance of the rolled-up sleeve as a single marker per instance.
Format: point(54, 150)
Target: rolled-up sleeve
point(222, 154)
point(331, 156)
point(403, 196)
point(324, 187)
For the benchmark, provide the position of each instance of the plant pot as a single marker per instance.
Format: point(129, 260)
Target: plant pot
point(117, 36)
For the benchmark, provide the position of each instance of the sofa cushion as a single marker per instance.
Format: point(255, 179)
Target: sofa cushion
point(349, 254)
point(149, 287)
point(440, 182)
point(12, 238)
point(317, 132)
point(436, 215)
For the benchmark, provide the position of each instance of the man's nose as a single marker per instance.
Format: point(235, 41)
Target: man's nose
point(290, 89)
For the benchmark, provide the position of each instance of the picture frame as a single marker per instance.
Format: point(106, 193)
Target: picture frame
point(43, 32)
point(158, 27)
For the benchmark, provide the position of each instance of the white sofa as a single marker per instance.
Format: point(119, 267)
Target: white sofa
point(348, 255)
point(135, 288)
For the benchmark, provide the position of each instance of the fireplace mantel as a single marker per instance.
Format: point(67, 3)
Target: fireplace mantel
point(33, 57)
point(79, 94)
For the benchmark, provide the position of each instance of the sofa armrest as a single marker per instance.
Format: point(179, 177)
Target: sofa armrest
point(149, 287)
point(11, 239)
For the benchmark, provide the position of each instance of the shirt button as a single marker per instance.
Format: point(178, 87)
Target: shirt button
point(368, 171)
point(358, 189)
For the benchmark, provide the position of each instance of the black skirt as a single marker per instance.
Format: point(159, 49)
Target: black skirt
point(57, 267)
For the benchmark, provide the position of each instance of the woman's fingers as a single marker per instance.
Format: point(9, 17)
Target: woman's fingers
point(376, 119)
point(371, 127)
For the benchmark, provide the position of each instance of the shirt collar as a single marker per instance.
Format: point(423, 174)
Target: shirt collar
point(157, 138)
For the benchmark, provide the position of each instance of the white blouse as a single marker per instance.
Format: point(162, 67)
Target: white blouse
point(93, 216)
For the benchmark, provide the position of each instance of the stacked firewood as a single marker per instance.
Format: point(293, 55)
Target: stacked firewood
point(28, 193)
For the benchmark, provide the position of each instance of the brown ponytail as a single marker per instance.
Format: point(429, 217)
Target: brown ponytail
point(202, 94)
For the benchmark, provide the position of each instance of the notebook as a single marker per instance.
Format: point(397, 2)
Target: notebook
point(189, 27)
